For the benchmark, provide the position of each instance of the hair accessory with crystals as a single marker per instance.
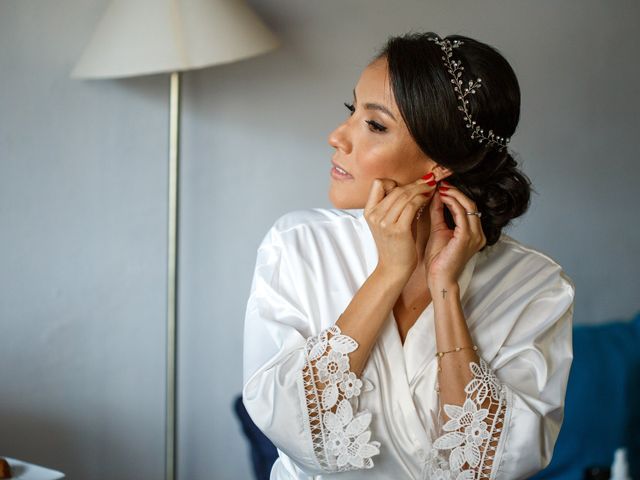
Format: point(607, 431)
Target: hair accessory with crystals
point(455, 70)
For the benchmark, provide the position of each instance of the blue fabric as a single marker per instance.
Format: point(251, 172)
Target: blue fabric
point(263, 452)
point(602, 408)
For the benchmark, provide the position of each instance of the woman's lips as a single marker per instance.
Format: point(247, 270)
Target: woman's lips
point(335, 173)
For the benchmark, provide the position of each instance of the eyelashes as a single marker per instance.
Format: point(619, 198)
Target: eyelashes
point(350, 107)
point(373, 125)
point(376, 126)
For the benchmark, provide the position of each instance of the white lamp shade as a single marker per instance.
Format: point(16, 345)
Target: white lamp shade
point(142, 37)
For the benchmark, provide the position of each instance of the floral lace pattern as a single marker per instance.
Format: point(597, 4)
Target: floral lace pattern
point(340, 439)
point(473, 430)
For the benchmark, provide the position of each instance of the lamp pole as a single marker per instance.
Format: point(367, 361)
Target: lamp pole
point(220, 31)
point(172, 270)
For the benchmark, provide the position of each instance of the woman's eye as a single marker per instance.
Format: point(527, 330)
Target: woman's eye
point(373, 125)
point(350, 107)
point(376, 126)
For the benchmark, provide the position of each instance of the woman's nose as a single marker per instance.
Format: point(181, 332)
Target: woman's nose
point(339, 138)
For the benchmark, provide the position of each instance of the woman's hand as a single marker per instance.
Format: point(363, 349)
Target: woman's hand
point(448, 251)
point(390, 211)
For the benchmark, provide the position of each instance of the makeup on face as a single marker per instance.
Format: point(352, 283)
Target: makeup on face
point(373, 142)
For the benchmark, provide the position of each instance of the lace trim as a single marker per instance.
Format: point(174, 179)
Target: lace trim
point(340, 439)
point(473, 431)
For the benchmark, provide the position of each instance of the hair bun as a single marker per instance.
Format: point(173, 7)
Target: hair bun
point(500, 189)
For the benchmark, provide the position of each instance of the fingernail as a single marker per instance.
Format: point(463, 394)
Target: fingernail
point(426, 177)
point(443, 189)
point(431, 183)
point(444, 182)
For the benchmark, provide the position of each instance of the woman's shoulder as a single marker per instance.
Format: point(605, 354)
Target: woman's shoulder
point(310, 236)
point(316, 219)
point(513, 261)
point(303, 226)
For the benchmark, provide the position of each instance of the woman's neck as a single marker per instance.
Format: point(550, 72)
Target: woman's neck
point(420, 229)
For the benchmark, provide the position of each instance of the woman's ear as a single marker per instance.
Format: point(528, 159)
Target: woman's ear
point(441, 172)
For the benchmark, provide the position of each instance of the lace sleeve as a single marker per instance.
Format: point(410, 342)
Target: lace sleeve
point(474, 432)
point(340, 438)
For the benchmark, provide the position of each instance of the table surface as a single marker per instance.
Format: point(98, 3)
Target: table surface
point(27, 471)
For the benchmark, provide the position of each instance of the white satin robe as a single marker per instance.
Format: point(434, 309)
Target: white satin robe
point(518, 304)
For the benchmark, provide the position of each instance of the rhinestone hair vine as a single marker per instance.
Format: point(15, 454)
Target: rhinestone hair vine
point(455, 70)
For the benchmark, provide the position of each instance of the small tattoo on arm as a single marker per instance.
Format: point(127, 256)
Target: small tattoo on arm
point(443, 292)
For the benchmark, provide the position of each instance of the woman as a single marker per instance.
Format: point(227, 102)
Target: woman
point(402, 334)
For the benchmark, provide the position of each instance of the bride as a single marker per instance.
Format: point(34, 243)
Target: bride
point(402, 334)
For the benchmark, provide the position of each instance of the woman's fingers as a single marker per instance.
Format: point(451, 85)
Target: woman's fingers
point(396, 247)
point(379, 188)
point(467, 205)
point(385, 209)
point(459, 217)
point(390, 205)
point(436, 214)
point(411, 208)
point(409, 200)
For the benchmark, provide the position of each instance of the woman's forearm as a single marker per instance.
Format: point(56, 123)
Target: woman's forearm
point(364, 317)
point(334, 360)
point(451, 332)
point(455, 373)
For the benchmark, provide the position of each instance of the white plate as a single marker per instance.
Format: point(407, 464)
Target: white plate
point(28, 471)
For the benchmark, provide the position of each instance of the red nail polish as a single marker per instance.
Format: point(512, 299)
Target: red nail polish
point(430, 174)
point(443, 189)
point(444, 182)
point(431, 183)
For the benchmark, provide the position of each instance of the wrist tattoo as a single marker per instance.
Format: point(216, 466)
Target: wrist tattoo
point(444, 292)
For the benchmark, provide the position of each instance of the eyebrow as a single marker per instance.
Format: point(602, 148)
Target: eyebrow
point(375, 106)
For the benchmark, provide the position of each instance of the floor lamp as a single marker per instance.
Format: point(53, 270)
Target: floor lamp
point(143, 37)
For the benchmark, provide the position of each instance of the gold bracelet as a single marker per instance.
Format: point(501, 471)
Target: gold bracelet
point(457, 349)
point(439, 355)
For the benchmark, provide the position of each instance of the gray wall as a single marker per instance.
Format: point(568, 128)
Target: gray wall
point(83, 205)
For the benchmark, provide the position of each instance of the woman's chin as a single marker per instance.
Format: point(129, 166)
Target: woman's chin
point(343, 202)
